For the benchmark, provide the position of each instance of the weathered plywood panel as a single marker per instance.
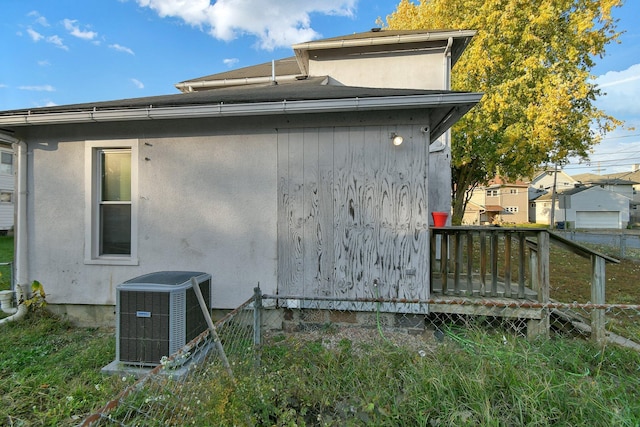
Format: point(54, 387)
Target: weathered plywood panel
point(325, 225)
point(355, 213)
point(311, 232)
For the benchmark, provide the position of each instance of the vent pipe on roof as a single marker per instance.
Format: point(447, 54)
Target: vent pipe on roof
point(273, 72)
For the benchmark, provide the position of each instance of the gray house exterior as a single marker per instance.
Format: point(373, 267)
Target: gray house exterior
point(293, 184)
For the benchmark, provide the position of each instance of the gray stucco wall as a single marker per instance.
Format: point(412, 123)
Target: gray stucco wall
point(206, 203)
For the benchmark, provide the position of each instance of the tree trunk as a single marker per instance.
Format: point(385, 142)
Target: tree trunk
point(463, 182)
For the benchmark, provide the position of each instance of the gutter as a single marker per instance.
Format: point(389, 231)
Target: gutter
point(455, 100)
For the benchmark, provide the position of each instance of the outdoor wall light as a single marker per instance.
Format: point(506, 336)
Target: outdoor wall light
point(396, 139)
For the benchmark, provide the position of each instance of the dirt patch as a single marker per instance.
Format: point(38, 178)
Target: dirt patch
point(363, 338)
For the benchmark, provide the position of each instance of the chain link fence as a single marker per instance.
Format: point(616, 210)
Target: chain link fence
point(238, 382)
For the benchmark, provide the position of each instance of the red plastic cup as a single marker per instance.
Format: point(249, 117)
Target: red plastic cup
point(439, 218)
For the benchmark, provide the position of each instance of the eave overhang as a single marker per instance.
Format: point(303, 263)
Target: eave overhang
point(446, 108)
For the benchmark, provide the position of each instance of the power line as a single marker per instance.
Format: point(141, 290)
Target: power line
point(587, 166)
point(621, 136)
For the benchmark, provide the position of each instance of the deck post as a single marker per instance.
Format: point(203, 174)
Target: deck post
point(598, 320)
point(507, 265)
point(469, 263)
point(521, 267)
point(444, 261)
point(483, 263)
point(457, 263)
point(432, 263)
point(533, 268)
point(494, 263)
point(535, 327)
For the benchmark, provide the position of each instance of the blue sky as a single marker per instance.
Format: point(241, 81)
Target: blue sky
point(74, 51)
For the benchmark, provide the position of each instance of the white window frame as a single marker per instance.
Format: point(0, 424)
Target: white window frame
point(10, 165)
point(492, 193)
point(513, 191)
point(511, 209)
point(92, 202)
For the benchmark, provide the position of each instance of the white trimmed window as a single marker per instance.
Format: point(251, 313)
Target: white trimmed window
point(6, 163)
point(111, 187)
point(511, 209)
point(492, 193)
point(513, 191)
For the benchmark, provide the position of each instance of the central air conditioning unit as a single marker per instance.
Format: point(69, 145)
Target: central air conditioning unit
point(157, 314)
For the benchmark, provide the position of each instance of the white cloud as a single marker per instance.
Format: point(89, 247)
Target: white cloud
point(276, 23)
point(39, 19)
point(120, 48)
point(74, 29)
point(44, 103)
point(43, 88)
point(230, 62)
point(57, 42)
point(44, 63)
point(35, 36)
point(3, 86)
point(137, 83)
point(621, 91)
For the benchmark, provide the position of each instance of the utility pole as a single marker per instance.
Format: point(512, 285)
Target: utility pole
point(553, 197)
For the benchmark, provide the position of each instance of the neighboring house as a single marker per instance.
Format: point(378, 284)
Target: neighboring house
point(634, 176)
point(499, 202)
point(623, 187)
point(625, 183)
point(7, 184)
point(543, 183)
point(295, 184)
point(585, 207)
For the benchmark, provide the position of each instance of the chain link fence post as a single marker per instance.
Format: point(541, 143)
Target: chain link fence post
point(257, 324)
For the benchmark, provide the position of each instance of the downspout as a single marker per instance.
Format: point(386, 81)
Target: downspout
point(443, 142)
point(18, 313)
point(20, 226)
point(21, 252)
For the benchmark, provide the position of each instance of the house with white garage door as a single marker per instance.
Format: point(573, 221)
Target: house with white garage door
point(584, 207)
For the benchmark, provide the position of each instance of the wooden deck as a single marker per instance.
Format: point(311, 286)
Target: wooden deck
point(479, 301)
point(504, 272)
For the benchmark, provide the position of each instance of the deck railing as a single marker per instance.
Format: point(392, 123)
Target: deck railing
point(501, 262)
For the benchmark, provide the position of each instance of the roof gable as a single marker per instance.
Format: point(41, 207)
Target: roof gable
point(378, 40)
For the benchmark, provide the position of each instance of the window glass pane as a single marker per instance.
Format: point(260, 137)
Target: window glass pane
point(6, 165)
point(115, 229)
point(116, 176)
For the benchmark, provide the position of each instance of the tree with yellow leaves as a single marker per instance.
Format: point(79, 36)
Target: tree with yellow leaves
point(532, 59)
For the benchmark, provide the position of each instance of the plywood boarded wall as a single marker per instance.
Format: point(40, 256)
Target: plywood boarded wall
point(352, 209)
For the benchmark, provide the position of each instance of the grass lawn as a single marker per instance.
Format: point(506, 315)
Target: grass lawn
point(6, 255)
point(50, 374)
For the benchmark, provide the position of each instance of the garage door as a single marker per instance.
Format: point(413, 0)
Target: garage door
point(597, 219)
